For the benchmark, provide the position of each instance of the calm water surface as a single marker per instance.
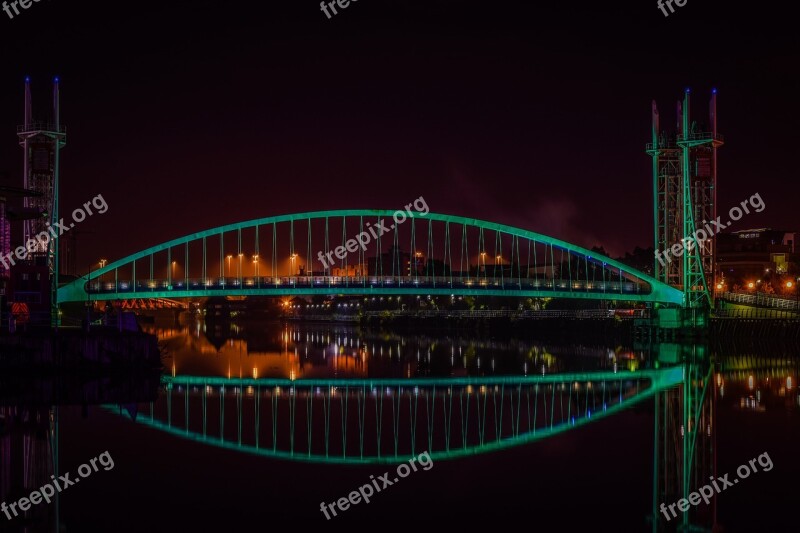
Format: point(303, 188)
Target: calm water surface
point(253, 426)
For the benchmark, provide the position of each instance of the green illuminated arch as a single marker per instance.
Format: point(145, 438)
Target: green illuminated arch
point(640, 386)
point(658, 292)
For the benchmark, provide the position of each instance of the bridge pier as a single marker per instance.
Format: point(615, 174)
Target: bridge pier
point(666, 324)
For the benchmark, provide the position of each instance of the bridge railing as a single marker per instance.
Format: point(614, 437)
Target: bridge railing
point(759, 312)
point(41, 126)
point(385, 282)
point(762, 300)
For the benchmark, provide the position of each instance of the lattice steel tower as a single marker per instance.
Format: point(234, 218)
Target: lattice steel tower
point(42, 142)
point(684, 200)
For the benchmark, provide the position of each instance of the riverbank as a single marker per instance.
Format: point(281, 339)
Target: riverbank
point(617, 325)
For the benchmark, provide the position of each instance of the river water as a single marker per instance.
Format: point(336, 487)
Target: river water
point(255, 426)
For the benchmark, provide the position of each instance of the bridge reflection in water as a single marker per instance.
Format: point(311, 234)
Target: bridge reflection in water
point(367, 421)
point(390, 420)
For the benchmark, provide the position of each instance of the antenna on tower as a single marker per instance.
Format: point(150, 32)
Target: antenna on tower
point(712, 112)
point(28, 111)
point(654, 116)
point(56, 104)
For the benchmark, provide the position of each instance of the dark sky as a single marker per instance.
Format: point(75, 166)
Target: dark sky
point(189, 115)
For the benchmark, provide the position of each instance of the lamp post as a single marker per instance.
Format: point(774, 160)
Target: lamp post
point(89, 294)
point(292, 258)
point(791, 285)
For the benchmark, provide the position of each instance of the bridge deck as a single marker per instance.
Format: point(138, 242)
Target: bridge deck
point(268, 286)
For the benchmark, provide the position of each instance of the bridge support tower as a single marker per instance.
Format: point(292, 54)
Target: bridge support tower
point(42, 141)
point(684, 202)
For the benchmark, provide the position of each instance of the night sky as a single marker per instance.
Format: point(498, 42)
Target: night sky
point(189, 115)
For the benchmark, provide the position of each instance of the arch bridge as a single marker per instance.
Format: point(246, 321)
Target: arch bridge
point(368, 251)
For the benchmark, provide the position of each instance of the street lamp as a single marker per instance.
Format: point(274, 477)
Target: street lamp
point(292, 257)
point(102, 263)
point(229, 263)
point(790, 285)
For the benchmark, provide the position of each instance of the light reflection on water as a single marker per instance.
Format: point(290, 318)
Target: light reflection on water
point(307, 351)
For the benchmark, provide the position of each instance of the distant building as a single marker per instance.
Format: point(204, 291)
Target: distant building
point(11, 213)
point(5, 235)
point(395, 262)
point(752, 253)
point(350, 271)
point(28, 292)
